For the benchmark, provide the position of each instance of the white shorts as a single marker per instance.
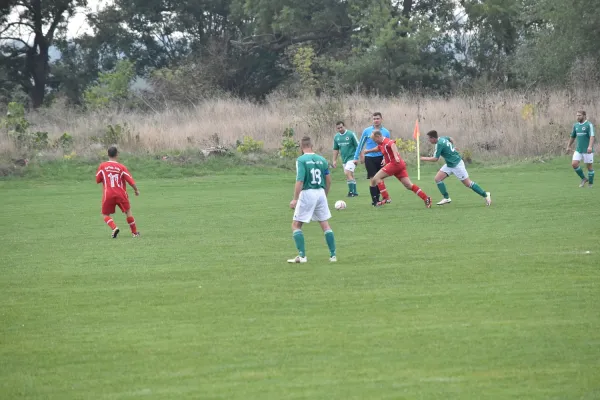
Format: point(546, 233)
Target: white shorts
point(312, 206)
point(460, 171)
point(588, 158)
point(350, 166)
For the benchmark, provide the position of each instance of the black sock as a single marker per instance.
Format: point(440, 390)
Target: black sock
point(374, 193)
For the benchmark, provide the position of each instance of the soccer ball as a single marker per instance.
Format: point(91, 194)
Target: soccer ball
point(340, 205)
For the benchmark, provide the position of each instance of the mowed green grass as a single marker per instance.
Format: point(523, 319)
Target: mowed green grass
point(455, 302)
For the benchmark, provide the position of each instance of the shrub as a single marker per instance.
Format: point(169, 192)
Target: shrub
point(249, 145)
point(289, 147)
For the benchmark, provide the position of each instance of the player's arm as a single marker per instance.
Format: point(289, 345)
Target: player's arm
point(99, 176)
point(129, 179)
point(395, 152)
point(436, 155)
point(361, 144)
point(571, 139)
point(335, 156)
point(592, 139)
point(327, 182)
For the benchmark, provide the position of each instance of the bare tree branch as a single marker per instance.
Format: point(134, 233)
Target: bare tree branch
point(17, 40)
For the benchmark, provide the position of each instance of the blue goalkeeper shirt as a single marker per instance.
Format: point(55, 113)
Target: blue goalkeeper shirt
point(366, 139)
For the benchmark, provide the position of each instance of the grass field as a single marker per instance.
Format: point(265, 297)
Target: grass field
point(455, 302)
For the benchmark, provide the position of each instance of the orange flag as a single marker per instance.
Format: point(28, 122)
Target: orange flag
point(416, 132)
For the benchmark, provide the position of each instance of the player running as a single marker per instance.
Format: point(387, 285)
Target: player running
point(114, 178)
point(310, 199)
point(583, 130)
point(394, 166)
point(444, 147)
point(372, 155)
point(345, 143)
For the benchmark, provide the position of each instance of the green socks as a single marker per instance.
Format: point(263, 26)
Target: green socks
point(442, 187)
point(591, 177)
point(330, 242)
point(351, 187)
point(477, 189)
point(299, 240)
point(579, 172)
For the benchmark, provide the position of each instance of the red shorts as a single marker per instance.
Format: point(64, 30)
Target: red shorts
point(397, 170)
point(110, 204)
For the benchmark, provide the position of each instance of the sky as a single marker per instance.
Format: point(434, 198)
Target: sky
point(78, 25)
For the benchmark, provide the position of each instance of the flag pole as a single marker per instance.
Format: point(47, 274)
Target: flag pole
point(417, 134)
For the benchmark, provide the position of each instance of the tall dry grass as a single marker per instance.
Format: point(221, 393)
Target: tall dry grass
point(498, 124)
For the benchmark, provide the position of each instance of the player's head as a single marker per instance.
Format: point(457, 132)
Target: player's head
point(339, 126)
point(113, 152)
point(432, 136)
point(377, 136)
point(581, 116)
point(306, 144)
point(377, 119)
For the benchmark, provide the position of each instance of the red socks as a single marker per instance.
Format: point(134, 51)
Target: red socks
point(383, 190)
point(417, 190)
point(131, 223)
point(109, 221)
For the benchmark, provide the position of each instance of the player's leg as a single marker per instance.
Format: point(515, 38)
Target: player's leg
point(108, 208)
point(126, 208)
point(577, 157)
point(588, 159)
point(349, 172)
point(477, 189)
point(405, 180)
point(442, 174)
point(378, 182)
point(302, 214)
point(372, 168)
point(322, 214)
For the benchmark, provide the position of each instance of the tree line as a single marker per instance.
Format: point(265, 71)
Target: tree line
point(186, 50)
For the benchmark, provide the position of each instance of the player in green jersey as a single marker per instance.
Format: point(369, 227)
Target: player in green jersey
point(583, 130)
point(444, 147)
point(310, 199)
point(345, 144)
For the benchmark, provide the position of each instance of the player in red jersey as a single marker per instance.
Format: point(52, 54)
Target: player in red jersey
point(394, 166)
point(114, 178)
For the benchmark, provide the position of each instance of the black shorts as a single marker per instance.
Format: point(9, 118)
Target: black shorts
point(373, 164)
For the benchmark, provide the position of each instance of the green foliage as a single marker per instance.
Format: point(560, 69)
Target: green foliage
point(64, 142)
point(112, 88)
point(289, 147)
point(15, 120)
point(249, 145)
point(115, 134)
point(303, 60)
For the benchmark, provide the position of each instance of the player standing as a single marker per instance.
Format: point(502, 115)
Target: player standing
point(310, 199)
point(394, 166)
point(444, 147)
point(373, 158)
point(114, 178)
point(345, 143)
point(583, 130)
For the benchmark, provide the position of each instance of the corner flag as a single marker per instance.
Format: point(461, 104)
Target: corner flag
point(416, 135)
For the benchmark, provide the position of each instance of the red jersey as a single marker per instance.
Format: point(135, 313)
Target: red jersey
point(388, 154)
point(114, 177)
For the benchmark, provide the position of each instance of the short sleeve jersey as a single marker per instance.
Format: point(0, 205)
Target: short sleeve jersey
point(444, 148)
point(583, 132)
point(113, 177)
point(388, 154)
point(346, 143)
point(311, 169)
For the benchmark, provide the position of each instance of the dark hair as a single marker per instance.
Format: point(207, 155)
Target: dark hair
point(306, 142)
point(582, 112)
point(432, 134)
point(376, 132)
point(112, 151)
point(340, 123)
point(377, 114)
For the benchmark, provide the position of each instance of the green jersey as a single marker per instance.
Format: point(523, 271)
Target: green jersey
point(346, 143)
point(583, 132)
point(311, 169)
point(445, 148)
